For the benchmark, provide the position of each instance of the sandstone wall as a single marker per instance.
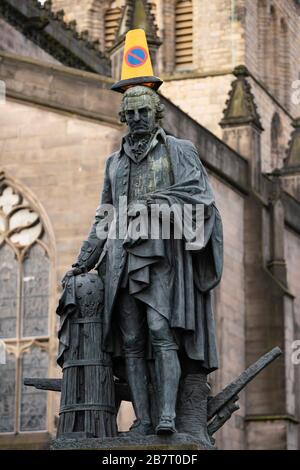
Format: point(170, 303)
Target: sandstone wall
point(201, 98)
point(61, 158)
point(230, 308)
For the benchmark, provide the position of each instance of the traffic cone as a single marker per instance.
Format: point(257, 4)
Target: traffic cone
point(137, 67)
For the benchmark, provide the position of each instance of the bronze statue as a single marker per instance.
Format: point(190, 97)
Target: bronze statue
point(157, 292)
point(149, 307)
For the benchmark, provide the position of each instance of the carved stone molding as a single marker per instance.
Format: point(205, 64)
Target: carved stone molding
point(241, 108)
point(48, 30)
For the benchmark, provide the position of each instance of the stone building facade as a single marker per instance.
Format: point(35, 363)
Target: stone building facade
point(229, 69)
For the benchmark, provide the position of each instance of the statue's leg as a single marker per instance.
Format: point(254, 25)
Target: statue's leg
point(133, 326)
point(167, 368)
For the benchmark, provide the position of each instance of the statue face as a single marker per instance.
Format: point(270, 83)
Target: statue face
point(140, 114)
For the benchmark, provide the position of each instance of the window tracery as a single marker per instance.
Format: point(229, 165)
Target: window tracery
point(24, 311)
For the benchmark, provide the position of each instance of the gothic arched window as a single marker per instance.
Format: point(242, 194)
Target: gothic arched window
point(184, 34)
point(24, 312)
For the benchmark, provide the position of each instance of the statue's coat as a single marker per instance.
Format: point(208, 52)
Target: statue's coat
point(162, 273)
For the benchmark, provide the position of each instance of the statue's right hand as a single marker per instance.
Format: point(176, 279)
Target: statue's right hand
point(73, 272)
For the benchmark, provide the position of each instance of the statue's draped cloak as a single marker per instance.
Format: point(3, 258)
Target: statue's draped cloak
point(163, 273)
point(67, 307)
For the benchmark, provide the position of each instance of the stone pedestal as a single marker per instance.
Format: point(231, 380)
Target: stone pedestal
point(175, 442)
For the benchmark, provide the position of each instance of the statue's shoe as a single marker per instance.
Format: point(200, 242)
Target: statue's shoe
point(166, 425)
point(138, 429)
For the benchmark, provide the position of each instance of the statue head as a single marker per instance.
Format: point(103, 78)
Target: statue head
point(141, 109)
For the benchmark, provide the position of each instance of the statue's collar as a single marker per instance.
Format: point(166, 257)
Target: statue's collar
point(159, 135)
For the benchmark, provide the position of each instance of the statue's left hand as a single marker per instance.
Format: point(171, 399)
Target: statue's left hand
point(72, 272)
